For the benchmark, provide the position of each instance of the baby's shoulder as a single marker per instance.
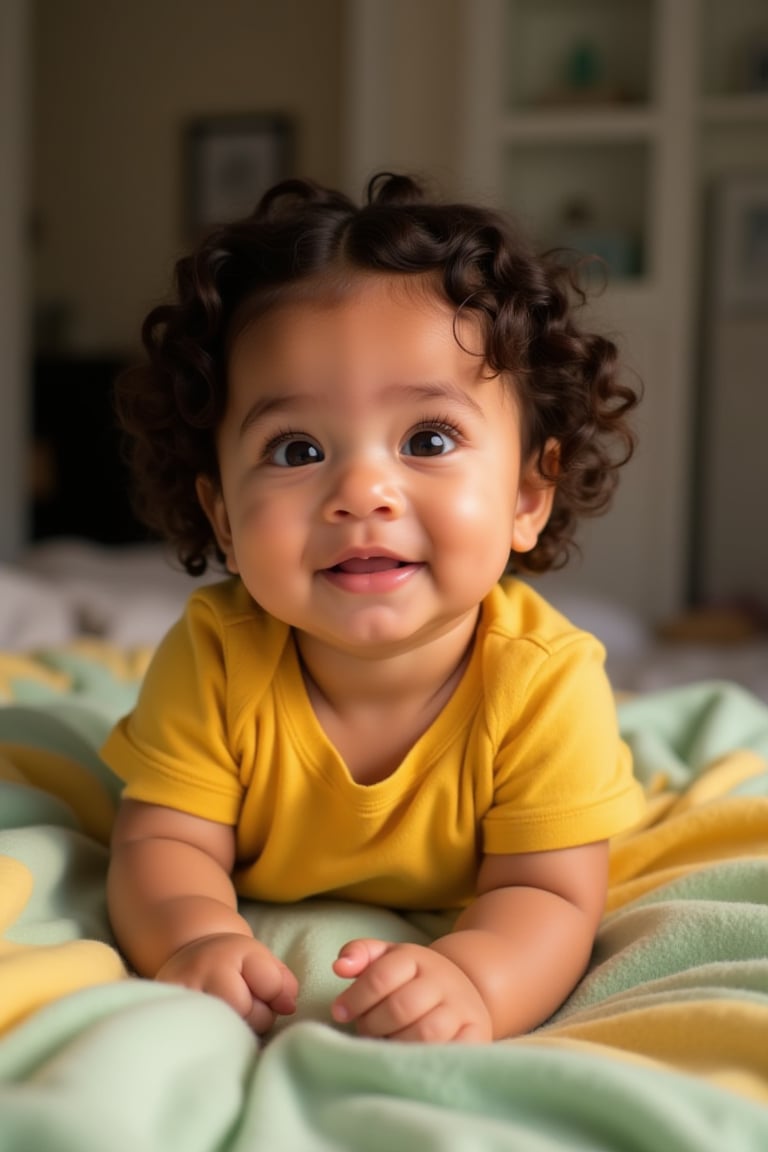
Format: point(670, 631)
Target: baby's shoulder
point(221, 636)
point(227, 608)
point(234, 643)
point(530, 651)
point(516, 617)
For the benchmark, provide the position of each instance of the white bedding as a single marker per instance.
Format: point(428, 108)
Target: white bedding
point(130, 595)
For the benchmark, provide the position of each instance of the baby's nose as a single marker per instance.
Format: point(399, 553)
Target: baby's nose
point(362, 488)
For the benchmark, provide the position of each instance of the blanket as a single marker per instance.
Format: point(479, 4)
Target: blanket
point(662, 1046)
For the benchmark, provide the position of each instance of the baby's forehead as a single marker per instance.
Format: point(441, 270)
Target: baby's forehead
point(384, 338)
point(421, 294)
point(333, 286)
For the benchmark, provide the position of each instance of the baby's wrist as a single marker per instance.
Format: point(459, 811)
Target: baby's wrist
point(458, 949)
point(475, 953)
point(192, 920)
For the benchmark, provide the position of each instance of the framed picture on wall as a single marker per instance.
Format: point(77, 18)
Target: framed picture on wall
point(741, 237)
point(230, 160)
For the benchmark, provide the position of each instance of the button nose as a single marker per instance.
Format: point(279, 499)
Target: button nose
point(364, 488)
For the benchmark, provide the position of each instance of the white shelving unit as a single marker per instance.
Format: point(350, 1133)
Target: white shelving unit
point(560, 111)
point(733, 105)
point(631, 108)
point(732, 549)
point(616, 142)
point(664, 108)
point(735, 109)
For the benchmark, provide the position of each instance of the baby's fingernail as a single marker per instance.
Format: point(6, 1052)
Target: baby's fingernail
point(340, 1013)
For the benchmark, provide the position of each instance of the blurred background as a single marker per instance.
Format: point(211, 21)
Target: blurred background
point(633, 129)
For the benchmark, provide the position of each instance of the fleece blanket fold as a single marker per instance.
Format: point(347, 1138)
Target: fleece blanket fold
point(662, 1046)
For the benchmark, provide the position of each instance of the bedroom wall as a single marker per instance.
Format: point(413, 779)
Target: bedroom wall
point(13, 284)
point(406, 81)
point(113, 84)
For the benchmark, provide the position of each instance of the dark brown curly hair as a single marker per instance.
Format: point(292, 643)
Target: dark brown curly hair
point(300, 235)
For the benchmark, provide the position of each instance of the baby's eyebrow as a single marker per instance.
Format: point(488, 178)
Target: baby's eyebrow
point(444, 390)
point(437, 390)
point(268, 406)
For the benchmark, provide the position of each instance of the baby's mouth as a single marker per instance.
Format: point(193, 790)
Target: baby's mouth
point(365, 564)
point(371, 575)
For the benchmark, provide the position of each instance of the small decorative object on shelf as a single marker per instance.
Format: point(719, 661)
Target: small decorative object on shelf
point(581, 233)
point(584, 79)
point(584, 69)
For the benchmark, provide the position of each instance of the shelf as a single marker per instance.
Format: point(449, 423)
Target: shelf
point(607, 123)
point(589, 195)
point(749, 108)
point(550, 45)
point(605, 126)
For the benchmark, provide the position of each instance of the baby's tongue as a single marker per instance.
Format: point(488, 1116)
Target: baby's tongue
point(368, 564)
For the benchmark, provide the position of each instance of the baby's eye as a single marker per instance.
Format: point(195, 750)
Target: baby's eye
point(430, 441)
point(294, 452)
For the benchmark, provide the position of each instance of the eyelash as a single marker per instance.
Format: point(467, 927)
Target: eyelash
point(441, 424)
point(285, 435)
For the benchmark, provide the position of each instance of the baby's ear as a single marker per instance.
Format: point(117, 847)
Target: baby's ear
point(211, 500)
point(535, 496)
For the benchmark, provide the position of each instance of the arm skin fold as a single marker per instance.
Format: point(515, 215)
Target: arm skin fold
point(527, 938)
point(511, 959)
point(169, 883)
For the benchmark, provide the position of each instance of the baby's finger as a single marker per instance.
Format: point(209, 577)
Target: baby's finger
point(383, 977)
point(356, 955)
point(270, 981)
point(285, 1001)
point(416, 1001)
point(227, 984)
point(438, 1026)
point(260, 1017)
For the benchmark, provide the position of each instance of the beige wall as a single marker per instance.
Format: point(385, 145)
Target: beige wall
point(427, 95)
point(13, 274)
point(113, 82)
point(406, 72)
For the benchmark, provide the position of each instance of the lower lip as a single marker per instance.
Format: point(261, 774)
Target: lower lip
point(371, 583)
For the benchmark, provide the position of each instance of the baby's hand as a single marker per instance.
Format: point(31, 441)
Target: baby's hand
point(240, 971)
point(408, 992)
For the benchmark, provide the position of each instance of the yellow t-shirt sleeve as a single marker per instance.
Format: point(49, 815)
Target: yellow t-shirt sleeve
point(562, 776)
point(174, 748)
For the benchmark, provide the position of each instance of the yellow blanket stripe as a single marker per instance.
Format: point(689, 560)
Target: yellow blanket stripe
point(690, 831)
point(64, 778)
point(686, 1036)
point(31, 977)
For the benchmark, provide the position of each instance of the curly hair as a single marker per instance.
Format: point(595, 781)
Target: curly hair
point(567, 380)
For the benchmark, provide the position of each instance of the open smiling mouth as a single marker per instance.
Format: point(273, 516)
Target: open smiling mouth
point(365, 564)
point(371, 574)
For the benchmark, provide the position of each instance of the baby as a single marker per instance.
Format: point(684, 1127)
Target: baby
point(372, 416)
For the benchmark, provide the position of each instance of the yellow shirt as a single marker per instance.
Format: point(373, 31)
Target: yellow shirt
point(525, 756)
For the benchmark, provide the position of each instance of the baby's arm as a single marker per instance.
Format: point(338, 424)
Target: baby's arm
point(173, 909)
point(513, 957)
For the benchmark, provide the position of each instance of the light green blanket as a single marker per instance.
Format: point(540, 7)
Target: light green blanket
point(663, 1046)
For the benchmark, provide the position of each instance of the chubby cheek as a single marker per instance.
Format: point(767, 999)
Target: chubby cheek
point(265, 539)
point(477, 520)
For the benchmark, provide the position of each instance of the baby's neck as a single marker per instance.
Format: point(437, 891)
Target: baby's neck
point(374, 711)
point(348, 681)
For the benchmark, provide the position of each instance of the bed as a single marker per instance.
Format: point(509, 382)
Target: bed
point(662, 1047)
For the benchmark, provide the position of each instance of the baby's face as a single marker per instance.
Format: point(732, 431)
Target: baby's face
point(371, 480)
